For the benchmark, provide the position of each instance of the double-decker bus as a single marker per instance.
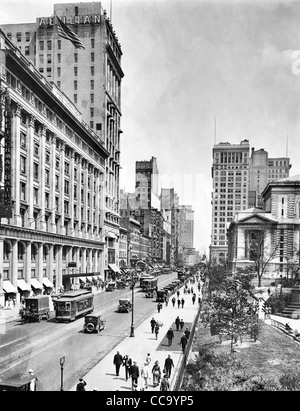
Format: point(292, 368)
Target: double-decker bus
point(74, 304)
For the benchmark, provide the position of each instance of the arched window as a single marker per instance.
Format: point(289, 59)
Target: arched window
point(45, 252)
point(6, 250)
point(34, 252)
point(21, 251)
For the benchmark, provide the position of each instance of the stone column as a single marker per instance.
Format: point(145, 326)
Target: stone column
point(14, 263)
point(83, 261)
point(59, 281)
point(50, 263)
point(28, 263)
point(39, 274)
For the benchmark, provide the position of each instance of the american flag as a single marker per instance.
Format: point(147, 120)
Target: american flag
point(65, 32)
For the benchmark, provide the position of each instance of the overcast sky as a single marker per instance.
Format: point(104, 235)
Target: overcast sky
point(187, 62)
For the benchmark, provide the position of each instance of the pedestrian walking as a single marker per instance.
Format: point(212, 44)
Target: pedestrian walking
point(135, 373)
point(165, 385)
point(32, 386)
point(183, 342)
point(152, 323)
point(156, 373)
point(118, 360)
point(173, 301)
point(178, 303)
point(145, 374)
point(166, 301)
point(81, 385)
point(170, 336)
point(178, 293)
point(194, 298)
point(169, 364)
point(187, 333)
point(182, 302)
point(181, 324)
point(159, 307)
point(269, 291)
point(156, 330)
point(127, 363)
point(177, 323)
point(148, 359)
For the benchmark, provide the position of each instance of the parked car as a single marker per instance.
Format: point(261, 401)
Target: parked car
point(111, 286)
point(124, 306)
point(93, 323)
point(161, 295)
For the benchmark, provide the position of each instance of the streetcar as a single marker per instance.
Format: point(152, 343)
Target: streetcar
point(74, 304)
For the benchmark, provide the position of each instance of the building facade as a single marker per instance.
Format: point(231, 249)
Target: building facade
point(262, 170)
point(90, 77)
point(53, 172)
point(230, 173)
point(275, 229)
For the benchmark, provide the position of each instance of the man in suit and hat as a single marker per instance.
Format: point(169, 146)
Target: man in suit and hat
point(135, 373)
point(118, 361)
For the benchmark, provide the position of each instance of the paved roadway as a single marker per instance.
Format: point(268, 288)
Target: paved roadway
point(102, 377)
point(40, 345)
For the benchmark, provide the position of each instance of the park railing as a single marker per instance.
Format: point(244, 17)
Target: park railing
point(180, 373)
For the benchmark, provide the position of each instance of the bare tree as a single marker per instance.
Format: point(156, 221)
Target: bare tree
point(260, 252)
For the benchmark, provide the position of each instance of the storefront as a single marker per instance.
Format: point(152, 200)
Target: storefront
point(24, 289)
point(36, 286)
point(10, 292)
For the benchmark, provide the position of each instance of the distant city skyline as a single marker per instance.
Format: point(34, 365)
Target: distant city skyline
point(187, 64)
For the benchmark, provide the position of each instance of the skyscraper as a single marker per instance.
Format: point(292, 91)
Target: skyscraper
point(90, 77)
point(230, 173)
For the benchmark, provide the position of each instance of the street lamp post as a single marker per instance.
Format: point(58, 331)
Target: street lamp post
point(132, 311)
point(62, 361)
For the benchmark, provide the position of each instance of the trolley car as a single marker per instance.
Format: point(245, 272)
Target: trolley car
point(74, 304)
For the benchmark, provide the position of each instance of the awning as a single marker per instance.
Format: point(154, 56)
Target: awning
point(111, 235)
point(8, 287)
point(47, 282)
point(36, 284)
point(23, 285)
point(114, 267)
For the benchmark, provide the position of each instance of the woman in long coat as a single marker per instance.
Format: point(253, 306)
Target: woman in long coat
point(156, 372)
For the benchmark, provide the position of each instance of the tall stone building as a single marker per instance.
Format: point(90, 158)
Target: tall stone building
point(238, 182)
point(91, 78)
point(263, 170)
point(230, 173)
point(52, 174)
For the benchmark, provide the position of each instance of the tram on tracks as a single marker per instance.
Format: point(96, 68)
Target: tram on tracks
point(74, 304)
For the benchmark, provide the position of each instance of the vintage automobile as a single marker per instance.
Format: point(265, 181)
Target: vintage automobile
point(93, 323)
point(111, 286)
point(161, 295)
point(124, 306)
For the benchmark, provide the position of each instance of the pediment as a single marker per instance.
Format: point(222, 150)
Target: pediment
point(257, 219)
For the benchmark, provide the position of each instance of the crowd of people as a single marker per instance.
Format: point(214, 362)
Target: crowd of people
point(141, 375)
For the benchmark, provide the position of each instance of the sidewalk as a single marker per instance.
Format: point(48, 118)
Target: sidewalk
point(103, 377)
